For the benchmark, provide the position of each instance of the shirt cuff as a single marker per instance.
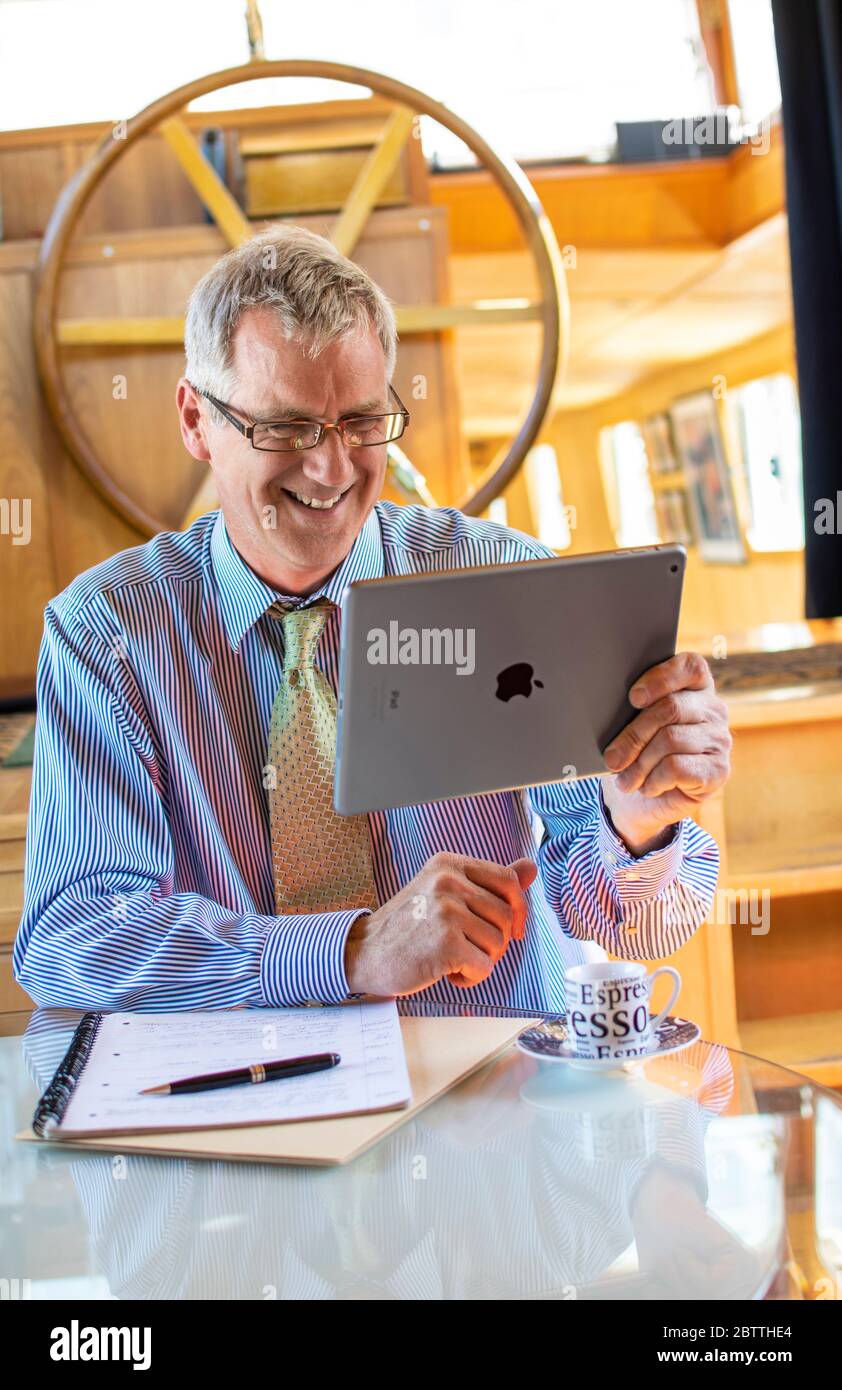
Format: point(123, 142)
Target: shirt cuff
point(636, 879)
point(303, 959)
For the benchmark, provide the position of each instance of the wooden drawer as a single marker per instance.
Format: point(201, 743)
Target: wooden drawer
point(305, 182)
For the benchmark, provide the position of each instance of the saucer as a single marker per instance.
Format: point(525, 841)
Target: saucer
point(549, 1042)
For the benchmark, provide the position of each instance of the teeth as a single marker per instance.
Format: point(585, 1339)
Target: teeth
point(320, 506)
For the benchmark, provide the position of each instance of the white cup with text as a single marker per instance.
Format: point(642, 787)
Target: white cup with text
point(608, 1009)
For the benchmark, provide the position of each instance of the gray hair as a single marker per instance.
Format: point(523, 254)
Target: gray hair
point(318, 295)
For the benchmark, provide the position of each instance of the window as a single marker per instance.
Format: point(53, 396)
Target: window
point(543, 485)
point(766, 425)
point(628, 489)
point(498, 511)
point(755, 58)
point(537, 79)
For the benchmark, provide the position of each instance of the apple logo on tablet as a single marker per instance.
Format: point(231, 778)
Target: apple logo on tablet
point(516, 680)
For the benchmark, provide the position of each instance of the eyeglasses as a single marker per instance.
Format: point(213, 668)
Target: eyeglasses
point(290, 436)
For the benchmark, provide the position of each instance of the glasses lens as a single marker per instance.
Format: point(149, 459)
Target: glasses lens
point(285, 437)
point(372, 429)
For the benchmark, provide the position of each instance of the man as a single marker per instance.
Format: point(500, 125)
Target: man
point(183, 852)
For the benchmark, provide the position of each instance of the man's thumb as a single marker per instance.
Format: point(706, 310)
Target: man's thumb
point(526, 870)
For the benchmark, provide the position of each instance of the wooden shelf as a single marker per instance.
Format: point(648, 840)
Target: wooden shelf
point(762, 709)
point(802, 874)
point(808, 1043)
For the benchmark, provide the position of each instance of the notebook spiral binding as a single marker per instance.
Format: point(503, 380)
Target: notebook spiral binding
point(53, 1103)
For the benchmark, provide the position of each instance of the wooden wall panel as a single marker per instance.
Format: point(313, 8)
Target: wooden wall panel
point(30, 181)
point(27, 571)
point(126, 396)
point(134, 425)
point(147, 188)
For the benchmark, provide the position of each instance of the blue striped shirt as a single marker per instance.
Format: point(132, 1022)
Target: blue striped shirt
point(148, 880)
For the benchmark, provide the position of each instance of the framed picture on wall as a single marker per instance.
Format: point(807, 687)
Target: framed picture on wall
point(657, 436)
point(671, 514)
point(710, 492)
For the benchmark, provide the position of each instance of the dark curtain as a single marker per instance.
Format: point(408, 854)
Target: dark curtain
point(808, 36)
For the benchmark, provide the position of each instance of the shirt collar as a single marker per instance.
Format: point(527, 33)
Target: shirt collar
point(244, 597)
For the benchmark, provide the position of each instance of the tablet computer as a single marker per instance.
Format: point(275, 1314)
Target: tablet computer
point(495, 677)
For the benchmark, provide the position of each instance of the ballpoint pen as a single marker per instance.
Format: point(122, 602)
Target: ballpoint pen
point(248, 1076)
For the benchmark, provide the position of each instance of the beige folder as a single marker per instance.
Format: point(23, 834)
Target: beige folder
point(439, 1053)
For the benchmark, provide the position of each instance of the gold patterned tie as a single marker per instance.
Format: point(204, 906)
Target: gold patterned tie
point(321, 861)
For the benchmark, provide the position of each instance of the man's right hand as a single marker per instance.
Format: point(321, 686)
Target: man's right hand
point(454, 919)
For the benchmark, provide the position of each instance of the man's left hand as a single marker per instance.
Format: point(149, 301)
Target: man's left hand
point(672, 756)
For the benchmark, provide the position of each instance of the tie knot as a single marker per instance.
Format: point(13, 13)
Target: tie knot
point(302, 629)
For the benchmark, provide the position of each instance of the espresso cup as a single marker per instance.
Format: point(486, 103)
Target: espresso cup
point(616, 1135)
point(608, 1008)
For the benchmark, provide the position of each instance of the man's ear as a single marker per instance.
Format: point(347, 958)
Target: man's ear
point(192, 421)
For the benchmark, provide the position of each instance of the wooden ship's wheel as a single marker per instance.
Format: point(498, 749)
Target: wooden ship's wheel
point(62, 338)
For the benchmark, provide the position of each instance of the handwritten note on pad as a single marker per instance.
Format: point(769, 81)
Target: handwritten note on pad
point(133, 1051)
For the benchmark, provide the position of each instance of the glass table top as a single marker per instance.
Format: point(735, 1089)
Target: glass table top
point(708, 1174)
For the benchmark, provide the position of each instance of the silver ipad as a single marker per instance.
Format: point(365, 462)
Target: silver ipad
point(495, 677)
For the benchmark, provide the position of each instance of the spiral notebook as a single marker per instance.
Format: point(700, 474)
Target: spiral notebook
point(98, 1088)
point(393, 1067)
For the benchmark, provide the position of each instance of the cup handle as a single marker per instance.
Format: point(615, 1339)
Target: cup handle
point(664, 970)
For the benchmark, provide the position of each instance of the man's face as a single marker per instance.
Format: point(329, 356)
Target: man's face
point(292, 546)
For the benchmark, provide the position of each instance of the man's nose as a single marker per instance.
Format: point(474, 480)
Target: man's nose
point(329, 463)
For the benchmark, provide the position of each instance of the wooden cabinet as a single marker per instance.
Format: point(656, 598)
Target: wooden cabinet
point(780, 834)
